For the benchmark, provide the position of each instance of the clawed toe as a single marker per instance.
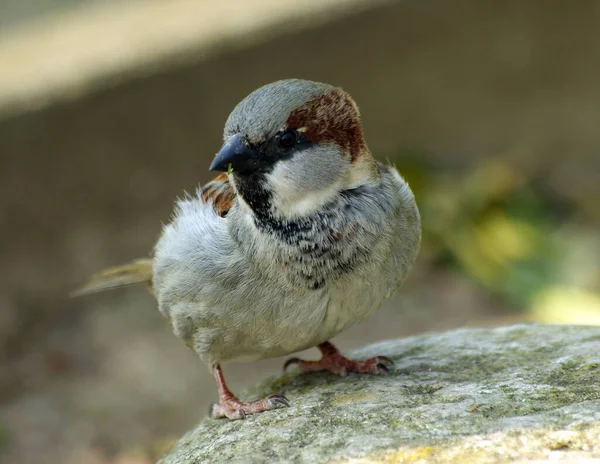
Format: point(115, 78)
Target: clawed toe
point(234, 410)
point(291, 361)
point(385, 360)
point(274, 400)
point(382, 368)
point(383, 364)
point(375, 366)
point(334, 362)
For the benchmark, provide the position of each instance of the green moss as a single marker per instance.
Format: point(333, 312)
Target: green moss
point(425, 389)
point(510, 409)
point(516, 335)
point(575, 371)
point(411, 352)
point(476, 367)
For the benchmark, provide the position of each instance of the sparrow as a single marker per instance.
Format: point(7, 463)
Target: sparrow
point(302, 235)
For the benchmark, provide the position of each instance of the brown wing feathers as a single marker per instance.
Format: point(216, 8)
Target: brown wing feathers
point(220, 193)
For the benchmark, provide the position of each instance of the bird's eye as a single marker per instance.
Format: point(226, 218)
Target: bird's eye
point(288, 139)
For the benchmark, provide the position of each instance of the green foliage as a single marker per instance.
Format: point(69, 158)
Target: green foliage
point(496, 225)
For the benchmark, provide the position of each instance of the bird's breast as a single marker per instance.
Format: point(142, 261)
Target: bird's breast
point(314, 251)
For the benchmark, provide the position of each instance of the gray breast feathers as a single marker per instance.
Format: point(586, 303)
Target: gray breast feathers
point(359, 227)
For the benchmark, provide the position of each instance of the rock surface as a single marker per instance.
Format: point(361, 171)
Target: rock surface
point(473, 395)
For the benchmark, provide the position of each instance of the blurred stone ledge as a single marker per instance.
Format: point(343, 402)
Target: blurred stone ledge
point(516, 393)
point(69, 54)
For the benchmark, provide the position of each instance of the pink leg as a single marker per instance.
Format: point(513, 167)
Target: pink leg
point(231, 407)
point(333, 361)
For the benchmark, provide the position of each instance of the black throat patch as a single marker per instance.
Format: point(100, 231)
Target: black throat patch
point(316, 248)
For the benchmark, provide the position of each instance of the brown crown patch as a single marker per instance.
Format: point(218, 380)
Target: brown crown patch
point(220, 193)
point(331, 117)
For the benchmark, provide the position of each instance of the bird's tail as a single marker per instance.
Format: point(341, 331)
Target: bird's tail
point(135, 272)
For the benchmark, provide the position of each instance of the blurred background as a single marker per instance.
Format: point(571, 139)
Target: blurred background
point(110, 109)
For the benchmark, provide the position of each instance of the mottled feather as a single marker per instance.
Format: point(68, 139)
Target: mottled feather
point(219, 192)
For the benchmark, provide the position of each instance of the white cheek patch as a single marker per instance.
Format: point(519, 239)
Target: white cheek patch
point(293, 207)
point(304, 183)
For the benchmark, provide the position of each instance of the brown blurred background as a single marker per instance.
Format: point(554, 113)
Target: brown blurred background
point(110, 109)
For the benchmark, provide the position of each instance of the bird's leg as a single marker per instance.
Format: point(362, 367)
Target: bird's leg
point(231, 407)
point(333, 361)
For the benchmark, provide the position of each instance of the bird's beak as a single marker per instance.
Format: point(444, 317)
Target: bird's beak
point(234, 155)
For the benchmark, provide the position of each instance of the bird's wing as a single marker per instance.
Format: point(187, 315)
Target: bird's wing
point(219, 192)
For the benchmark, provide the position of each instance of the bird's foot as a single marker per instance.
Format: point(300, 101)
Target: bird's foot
point(233, 409)
point(333, 361)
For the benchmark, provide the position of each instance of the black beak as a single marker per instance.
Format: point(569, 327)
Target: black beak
point(235, 153)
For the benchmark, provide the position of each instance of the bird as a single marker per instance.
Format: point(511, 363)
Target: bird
point(301, 235)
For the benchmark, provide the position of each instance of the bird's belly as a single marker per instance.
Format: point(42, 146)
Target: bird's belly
point(271, 326)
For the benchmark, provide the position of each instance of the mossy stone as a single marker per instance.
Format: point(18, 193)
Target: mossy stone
point(469, 395)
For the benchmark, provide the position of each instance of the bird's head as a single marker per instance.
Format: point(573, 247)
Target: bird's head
point(291, 146)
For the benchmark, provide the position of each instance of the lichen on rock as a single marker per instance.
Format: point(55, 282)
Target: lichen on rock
point(469, 395)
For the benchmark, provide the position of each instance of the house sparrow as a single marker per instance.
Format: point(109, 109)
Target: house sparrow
point(302, 235)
